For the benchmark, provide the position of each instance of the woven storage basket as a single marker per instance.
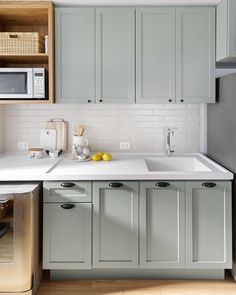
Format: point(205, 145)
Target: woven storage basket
point(20, 43)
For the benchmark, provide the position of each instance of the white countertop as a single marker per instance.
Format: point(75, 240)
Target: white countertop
point(18, 167)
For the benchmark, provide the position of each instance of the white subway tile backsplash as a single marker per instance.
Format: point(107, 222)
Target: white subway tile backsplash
point(106, 125)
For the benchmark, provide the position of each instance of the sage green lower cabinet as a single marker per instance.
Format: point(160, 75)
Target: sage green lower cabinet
point(209, 228)
point(67, 236)
point(115, 224)
point(162, 224)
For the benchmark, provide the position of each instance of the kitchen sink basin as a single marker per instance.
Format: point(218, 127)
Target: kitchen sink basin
point(176, 164)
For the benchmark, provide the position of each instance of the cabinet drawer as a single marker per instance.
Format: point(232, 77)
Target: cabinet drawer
point(67, 191)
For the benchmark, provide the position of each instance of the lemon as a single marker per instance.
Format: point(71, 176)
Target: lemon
point(96, 157)
point(107, 157)
point(100, 154)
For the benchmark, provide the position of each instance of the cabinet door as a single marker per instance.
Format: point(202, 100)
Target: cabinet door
point(75, 64)
point(195, 55)
point(115, 55)
point(155, 47)
point(162, 225)
point(67, 236)
point(226, 31)
point(115, 225)
point(209, 229)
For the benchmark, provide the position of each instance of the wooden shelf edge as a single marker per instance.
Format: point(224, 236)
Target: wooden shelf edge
point(28, 101)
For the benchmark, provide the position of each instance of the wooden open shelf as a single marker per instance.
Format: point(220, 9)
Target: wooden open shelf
point(25, 58)
point(29, 16)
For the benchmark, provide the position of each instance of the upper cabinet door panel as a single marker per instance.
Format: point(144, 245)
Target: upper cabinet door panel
point(226, 31)
point(115, 59)
point(155, 59)
point(75, 64)
point(195, 55)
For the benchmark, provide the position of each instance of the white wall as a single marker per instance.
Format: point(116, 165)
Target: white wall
point(106, 125)
point(2, 133)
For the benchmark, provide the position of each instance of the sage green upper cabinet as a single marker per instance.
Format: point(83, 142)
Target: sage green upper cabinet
point(155, 55)
point(226, 31)
point(162, 224)
point(209, 225)
point(115, 55)
point(115, 224)
point(195, 55)
point(75, 63)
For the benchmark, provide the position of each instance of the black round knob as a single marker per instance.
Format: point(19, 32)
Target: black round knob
point(182, 100)
point(170, 100)
point(89, 101)
point(100, 100)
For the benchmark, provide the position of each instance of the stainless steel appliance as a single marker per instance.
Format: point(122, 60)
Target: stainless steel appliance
point(20, 261)
point(22, 83)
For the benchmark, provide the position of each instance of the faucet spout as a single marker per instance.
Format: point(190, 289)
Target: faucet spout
point(170, 149)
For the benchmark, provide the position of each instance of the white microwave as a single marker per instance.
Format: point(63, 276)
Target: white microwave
point(22, 83)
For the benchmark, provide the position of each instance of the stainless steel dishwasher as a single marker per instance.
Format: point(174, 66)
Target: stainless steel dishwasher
point(20, 253)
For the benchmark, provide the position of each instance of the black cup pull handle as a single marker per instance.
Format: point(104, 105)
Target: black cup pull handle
point(115, 184)
point(162, 184)
point(67, 206)
point(209, 184)
point(67, 184)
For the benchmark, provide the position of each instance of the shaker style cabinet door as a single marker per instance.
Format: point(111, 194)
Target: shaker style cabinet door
point(155, 55)
point(115, 224)
point(162, 224)
point(67, 236)
point(226, 31)
point(195, 55)
point(208, 225)
point(115, 55)
point(75, 63)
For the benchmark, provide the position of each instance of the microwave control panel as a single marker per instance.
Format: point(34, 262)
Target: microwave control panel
point(39, 82)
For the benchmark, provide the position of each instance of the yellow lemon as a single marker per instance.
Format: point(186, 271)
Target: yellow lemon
point(100, 154)
point(107, 157)
point(96, 157)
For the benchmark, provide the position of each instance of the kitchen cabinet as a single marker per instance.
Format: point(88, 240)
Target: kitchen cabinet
point(115, 224)
point(142, 55)
point(155, 55)
point(66, 229)
point(137, 225)
point(162, 224)
point(195, 55)
point(226, 31)
point(115, 59)
point(75, 55)
point(208, 225)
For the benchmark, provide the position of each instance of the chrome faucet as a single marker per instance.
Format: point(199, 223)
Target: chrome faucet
point(170, 149)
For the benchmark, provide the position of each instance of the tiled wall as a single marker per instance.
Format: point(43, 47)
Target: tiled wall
point(2, 133)
point(107, 125)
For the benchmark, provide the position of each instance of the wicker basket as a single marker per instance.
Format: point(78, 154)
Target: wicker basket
point(20, 43)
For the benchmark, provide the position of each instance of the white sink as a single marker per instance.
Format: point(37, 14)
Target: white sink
point(176, 164)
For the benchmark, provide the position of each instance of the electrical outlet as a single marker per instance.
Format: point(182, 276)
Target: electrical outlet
point(22, 145)
point(125, 145)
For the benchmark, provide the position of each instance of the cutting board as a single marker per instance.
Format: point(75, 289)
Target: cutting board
point(48, 139)
point(61, 128)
